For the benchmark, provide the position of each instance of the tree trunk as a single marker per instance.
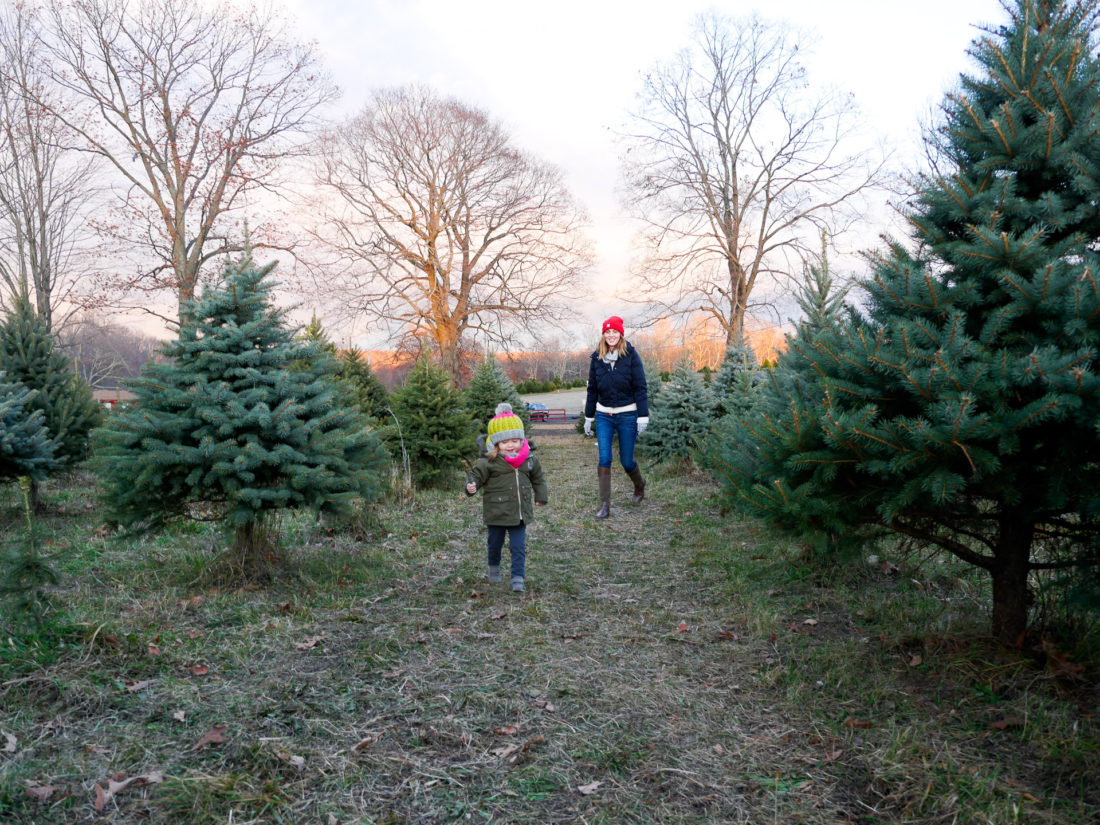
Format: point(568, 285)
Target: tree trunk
point(1010, 573)
point(447, 338)
point(251, 553)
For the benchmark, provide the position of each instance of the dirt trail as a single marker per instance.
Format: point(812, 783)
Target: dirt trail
point(617, 667)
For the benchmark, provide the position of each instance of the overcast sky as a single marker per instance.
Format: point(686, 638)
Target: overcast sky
point(561, 75)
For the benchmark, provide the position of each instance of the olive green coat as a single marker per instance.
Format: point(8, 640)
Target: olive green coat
point(508, 495)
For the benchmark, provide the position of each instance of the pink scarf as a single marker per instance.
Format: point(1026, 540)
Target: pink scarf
point(520, 457)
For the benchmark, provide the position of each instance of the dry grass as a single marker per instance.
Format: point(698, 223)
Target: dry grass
point(658, 670)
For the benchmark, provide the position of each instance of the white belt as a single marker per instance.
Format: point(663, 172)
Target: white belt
point(616, 410)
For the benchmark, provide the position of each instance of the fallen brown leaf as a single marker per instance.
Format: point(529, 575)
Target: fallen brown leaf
point(507, 730)
point(853, 722)
point(117, 784)
point(683, 627)
point(916, 661)
point(214, 736)
point(505, 751)
point(367, 741)
point(40, 793)
point(1059, 662)
point(154, 649)
point(309, 643)
point(294, 761)
point(590, 788)
point(198, 670)
point(1008, 722)
point(134, 687)
point(811, 622)
point(10, 743)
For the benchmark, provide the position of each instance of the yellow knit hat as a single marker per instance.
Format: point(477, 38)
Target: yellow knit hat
point(504, 425)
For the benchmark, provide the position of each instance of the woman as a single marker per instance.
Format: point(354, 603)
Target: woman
point(618, 402)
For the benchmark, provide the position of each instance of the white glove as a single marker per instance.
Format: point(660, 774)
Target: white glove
point(588, 426)
point(643, 422)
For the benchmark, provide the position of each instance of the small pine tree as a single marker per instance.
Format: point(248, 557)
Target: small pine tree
point(26, 453)
point(735, 383)
point(26, 574)
point(315, 333)
point(434, 425)
point(30, 356)
point(750, 444)
point(370, 394)
point(489, 387)
point(225, 428)
point(26, 448)
point(682, 414)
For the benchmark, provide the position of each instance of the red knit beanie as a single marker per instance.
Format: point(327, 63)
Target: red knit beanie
point(614, 322)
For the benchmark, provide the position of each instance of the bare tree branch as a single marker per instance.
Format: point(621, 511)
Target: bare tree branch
point(45, 191)
point(437, 225)
point(192, 106)
point(737, 169)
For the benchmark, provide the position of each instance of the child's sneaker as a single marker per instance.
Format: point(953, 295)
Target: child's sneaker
point(517, 584)
point(494, 574)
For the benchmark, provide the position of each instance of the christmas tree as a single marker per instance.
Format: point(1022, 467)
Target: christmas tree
point(26, 448)
point(960, 407)
point(225, 429)
point(752, 444)
point(26, 453)
point(369, 393)
point(432, 423)
point(30, 356)
point(490, 386)
point(734, 384)
point(682, 414)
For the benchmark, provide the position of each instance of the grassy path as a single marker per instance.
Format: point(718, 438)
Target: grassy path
point(665, 666)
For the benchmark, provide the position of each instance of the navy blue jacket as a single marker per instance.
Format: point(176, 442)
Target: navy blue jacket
point(619, 386)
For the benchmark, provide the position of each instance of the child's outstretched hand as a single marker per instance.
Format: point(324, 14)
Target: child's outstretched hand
point(471, 488)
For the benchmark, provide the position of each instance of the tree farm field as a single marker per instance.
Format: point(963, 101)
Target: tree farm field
point(669, 665)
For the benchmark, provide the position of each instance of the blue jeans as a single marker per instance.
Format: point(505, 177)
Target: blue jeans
point(626, 425)
point(517, 546)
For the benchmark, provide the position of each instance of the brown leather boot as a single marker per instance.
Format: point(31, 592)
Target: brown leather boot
point(604, 474)
point(639, 484)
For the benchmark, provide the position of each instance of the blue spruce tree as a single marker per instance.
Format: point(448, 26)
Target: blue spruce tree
point(240, 421)
point(960, 408)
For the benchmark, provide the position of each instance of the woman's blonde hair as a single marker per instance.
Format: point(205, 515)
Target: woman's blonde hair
point(619, 347)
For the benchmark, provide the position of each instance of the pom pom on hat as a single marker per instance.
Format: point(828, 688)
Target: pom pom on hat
point(614, 322)
point(504, 425)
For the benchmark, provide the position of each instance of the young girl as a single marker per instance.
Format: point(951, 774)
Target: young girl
point(510, 479)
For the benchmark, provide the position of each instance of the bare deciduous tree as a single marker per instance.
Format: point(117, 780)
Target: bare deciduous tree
point(45, 190)
point(104, 354)
point(736, 167)
point(192, 105)
point(438, 225)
